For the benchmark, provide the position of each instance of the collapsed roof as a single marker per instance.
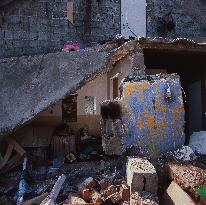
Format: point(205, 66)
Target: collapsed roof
point(28, 85)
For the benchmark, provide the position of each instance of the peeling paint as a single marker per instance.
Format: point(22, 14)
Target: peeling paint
point(155, 124)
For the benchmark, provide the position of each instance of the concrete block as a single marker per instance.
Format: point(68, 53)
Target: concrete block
point(176, 196)
point(141, 175)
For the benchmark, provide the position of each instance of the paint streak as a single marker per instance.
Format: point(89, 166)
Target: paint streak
point(140, 123)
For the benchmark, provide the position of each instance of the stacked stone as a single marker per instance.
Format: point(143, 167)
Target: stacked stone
point(34, 27)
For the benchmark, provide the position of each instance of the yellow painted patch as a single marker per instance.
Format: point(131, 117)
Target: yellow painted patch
point(130, 89)
point(150, 120)
point(143, 86)
point(140, 123)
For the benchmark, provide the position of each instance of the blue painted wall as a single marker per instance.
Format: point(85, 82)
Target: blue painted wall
point(154, 124)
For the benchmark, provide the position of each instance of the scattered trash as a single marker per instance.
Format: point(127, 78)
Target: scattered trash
point(23, 187)
point(202, 191)
point(71, 47)
point(71, 157)
point(57, 163)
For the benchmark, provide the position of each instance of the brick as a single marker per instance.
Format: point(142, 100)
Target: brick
point(104, 184)
point(111, 190)
point(141, 175)
point(124, 192)
point(21, 22)
point(88, 183)
point(96, 197)
point(85, 194)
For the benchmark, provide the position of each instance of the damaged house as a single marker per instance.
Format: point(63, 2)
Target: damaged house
point(107, 100)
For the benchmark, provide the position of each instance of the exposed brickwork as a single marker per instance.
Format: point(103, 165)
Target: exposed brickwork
point(29, 27)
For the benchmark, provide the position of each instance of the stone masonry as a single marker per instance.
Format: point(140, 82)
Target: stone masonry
point(29, 27)
point(174, 18)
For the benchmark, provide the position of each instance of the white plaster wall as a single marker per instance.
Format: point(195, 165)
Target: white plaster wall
point(133, 13)
point(97, 88)
point(123, 68)
point(100, 87)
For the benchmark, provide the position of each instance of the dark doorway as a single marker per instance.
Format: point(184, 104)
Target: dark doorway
point(191, 67)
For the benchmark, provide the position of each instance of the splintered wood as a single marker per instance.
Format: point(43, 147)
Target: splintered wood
point(9, 161)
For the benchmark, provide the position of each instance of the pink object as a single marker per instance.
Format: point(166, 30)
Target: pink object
point(71, 47)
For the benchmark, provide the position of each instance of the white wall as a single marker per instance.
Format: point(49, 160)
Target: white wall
point(133, 12)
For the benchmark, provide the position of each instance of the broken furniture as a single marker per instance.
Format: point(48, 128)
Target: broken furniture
point(11, 160)
point(63, 141)
point(88, 146)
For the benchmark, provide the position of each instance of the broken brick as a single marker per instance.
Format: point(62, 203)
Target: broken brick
point(113, 199)
point(85, 194)
point(96, 197)
point(109, 191)
point(124, 192)
point(88, 183)
point(104, 184)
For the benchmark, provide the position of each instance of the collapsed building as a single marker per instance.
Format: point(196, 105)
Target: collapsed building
point(66, 118)
point(99, 111)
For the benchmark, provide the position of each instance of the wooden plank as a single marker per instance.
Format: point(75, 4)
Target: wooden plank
point(7, 155)
point(17, 147)
point(13, 162)
point(175, 195)
point(36, 200)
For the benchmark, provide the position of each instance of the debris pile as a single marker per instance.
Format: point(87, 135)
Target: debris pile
point(108, 190)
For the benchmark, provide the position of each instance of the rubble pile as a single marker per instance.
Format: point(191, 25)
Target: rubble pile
point(143, 198)
point(108, 190)
point(174, 178)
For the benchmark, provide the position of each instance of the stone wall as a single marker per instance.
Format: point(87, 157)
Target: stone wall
point(174, 18)
point(97, 20)
point(30, 27)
